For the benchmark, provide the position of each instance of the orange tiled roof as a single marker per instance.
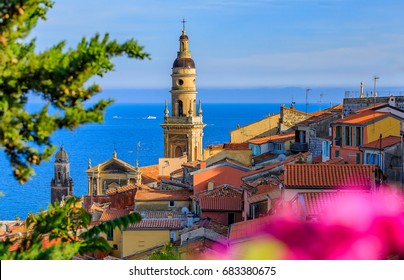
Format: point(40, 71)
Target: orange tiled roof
point(337, 160)
point(320, 117)
point(277, 164)
point(163, 195)
point(235, 146)
point(386, 142)
point(224, 197)
point(247, 229)
point(156, 224)
point(121, 189)
point(232, 161)
point(151, 171)
point(229, 146)
point(329, 175)
point(111, 214)
point(362, 118)
point(315, 203)
point(273, 138)
point(160, 214)
point(264, 187)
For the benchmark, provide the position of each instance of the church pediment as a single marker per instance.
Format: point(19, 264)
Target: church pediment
point(113, 165)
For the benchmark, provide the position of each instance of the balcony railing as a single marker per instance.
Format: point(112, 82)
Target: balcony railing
point(299, 147)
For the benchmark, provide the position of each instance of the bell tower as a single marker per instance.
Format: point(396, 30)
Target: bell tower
point(61, 183)
point(183, 130)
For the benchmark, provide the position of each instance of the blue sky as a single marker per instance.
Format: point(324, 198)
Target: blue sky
point(244, 44)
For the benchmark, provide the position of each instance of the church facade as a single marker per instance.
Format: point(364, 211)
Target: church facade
point(183, 129)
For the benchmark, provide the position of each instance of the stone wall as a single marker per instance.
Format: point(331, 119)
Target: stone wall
point(289, 118)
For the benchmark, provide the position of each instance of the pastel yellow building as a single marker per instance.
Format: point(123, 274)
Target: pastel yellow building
point(265, 127)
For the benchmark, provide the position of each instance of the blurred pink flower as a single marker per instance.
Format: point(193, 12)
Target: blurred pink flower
point(362, 227)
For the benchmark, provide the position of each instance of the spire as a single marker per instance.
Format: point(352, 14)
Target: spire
point(166, 110)
point(200, 108)
point(183, 26)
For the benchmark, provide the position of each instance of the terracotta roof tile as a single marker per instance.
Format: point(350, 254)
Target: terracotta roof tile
point(156, 224)
point(163, 195)
point(315, 203)
point(247, 229)
point(320, 117)
point(362, 118)
point(349, 176)
point(229, 161)
point(263, 157)
point(277, 164)
point(235, 146)
point(151, 172)
point(273, 138)
point(386, 142)
point(229, 146)
point(337, 160)
point(121, 189)
point(160, 214)
point(111, 214)
point(224, 197)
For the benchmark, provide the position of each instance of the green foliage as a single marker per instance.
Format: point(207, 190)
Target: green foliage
point(67, 229)
point(57, 75)
point(168, 252)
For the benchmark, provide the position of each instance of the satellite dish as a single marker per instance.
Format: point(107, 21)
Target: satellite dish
point(281, 157)
point(184, 210)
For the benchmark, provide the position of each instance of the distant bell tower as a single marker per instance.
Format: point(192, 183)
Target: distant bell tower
point(183, 130)
point(61, 183)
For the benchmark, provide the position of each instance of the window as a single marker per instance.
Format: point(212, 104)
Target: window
point(337, 153)
point(171, 203)
point(278, 147)
point(338, 136)
point(110, 235)
point(347, 136)
point(358, 136)
point(372, 158)
point(358, 158)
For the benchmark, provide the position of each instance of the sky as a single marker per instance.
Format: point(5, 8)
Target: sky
point(243, 44)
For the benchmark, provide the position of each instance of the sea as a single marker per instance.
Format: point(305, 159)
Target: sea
point(127, 129)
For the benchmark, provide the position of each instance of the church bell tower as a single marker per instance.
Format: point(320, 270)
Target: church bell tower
point(62, 183)
point(183, 129)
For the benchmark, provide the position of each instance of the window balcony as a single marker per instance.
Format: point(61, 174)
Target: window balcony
point(299, 147)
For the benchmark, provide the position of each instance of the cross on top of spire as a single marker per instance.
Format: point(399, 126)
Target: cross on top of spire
point(183, 24)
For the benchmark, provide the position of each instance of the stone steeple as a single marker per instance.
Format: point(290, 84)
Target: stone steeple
point(61, 183)
point(183, 130)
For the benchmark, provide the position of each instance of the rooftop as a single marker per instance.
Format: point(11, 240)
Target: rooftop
point(156, 224)
point(385, 143)
point(273, 138)
point(121, 189)
point(112, 214)
point(224, 197)
point(163, 195)
point(348, 176)
point(362, 118)
point(315, 203)
point(247, 229)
